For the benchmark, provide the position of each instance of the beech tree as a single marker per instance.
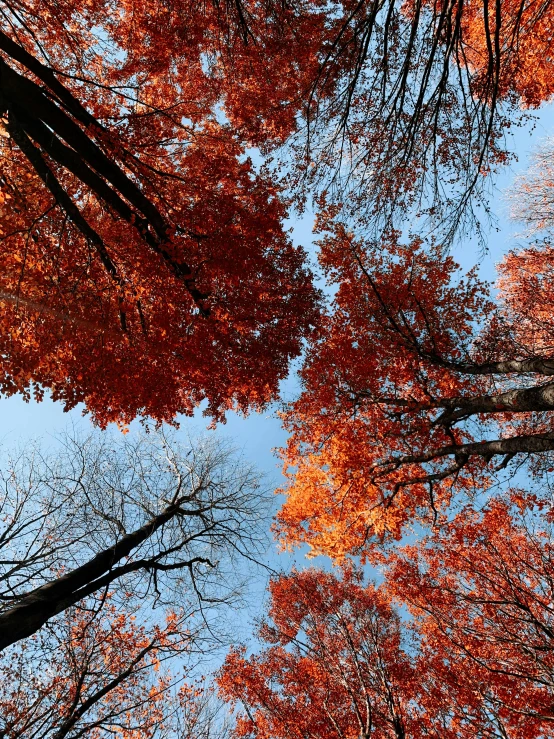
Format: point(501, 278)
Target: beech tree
point(418, 389)
point(96, 670)
point(144, 263)
point(333, 665)
point(337, 661)
point(93, 671)
point(480, 590)
point(142, 517)
point(398, 107)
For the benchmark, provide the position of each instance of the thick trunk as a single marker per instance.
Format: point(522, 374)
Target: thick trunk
point(499, 447)
point(538, 366)
point(49, 125)
point(518, 400)
point(37, 606)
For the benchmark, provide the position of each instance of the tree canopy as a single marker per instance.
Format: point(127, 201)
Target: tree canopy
point(418, 388)
point(338, 661)
point(150, 155)
point(144, 263)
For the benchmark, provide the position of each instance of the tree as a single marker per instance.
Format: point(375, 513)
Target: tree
point(143, 517)
point(531, 196)
point(95, 671)
point(400, 108)
point(92, 671)
point(333, 665)
point(339, 662)
point(480, 590)
point(144, 266)
point(417, 389)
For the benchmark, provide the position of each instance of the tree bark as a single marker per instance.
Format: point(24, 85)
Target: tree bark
point(36, 607)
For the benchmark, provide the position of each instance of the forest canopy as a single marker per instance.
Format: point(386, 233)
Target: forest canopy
point(145, 264)
point(151, 157)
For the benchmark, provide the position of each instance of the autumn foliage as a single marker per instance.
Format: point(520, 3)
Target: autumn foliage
point(144, 263)
point(145, 268)
point(333, 663)
point(363, 428)
point(418, 391)
point(119, 560)
point(521, 35)
point(394, 110)
point(481, 594)
point(96, 672)
point(150, 155)
point(475, 659)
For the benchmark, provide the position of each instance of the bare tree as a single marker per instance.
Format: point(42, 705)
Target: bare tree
point(141, 516)
point(531, 198)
